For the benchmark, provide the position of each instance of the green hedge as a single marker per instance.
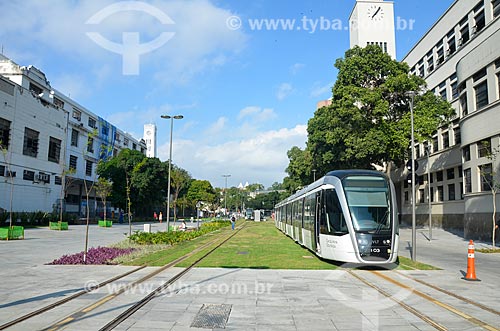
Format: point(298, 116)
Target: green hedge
point(174, 237)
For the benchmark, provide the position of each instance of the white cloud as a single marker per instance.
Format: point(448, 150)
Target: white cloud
point(284, 90)
point(217, 127)
point(256, 114)
point(318, 90)
point(260, 157)
point(296, 68)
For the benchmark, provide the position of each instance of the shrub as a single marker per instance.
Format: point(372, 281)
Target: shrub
point(174, 237)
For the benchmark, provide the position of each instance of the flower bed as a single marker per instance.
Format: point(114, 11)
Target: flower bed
point(99, 255)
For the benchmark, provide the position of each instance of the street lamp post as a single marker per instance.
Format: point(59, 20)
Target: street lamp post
point(177, 117)
point(314, 174)
point(428, 151)
point(411, 94)
point(225, 194)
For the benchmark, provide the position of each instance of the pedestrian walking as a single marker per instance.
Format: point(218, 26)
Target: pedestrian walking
point(233, 221)
point(160, 217)
point(155, 216)
point(120, 217)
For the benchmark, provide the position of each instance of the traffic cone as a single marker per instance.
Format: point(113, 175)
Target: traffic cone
point(471, 269)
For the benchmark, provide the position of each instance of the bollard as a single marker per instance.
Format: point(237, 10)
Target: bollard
point(147, 228)
point(471, 269)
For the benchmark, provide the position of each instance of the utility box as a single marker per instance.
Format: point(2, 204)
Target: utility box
point(147, 228)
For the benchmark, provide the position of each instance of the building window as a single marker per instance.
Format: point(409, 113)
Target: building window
point(57, 180)
point(77, 114)
point(461, 190)
point(432, 177)
point(421, 196)
point(481, 91)
point(435, 146)
point(463, 104)
point(134, 146)
point(486, 177)
point(73, 162)
point(479, 19)
point(458, 137)
point(88, 168)
point(439, 176)
point(440, 190)
point(4, 133)
point(125, 142)
point(421, 68)
point(36, 89)
point(467, 180)
point(452, 46)
point(484, 148)
point(2, 170)
point(74, 137)
point(92, 123)
point(451, 192)
point(464, 31)
point(496, 8)
point(446, 139)
point(432, 194)
point(29, 175)
point(450, 173)
point(440, 54)
point(58, 103)
point(54, 150)
point(30, 146)
point(90, 145)
point(430, 61)
point(406, 196)
point(454, 86)
point(460, 172)
point(466, 153)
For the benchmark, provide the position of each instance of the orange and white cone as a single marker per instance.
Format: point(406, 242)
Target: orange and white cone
point(471, 269)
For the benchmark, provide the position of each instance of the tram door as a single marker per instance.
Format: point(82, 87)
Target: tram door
point(317, 215)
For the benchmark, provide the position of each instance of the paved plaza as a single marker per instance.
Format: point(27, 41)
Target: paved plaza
point(258, 299)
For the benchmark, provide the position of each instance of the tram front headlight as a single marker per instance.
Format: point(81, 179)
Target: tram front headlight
point(387, 242)
point(362, 242)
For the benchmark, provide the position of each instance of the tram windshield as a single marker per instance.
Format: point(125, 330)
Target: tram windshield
point(368, 199)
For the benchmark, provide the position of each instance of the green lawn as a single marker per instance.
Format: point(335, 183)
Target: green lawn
point(258, 245)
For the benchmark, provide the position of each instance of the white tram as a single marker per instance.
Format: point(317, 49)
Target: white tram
point(347, 216)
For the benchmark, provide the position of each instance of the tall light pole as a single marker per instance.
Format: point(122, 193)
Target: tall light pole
point(225, 194)
point(411, 94)
point(428, 152)
point(177, 117)
point(314, 174)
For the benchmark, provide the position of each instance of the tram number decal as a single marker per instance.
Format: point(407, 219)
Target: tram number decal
point(375, 250)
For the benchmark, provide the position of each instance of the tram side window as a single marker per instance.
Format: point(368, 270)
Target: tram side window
point(309, 211)
point(332, 219)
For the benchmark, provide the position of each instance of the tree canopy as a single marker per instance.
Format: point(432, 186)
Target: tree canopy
point(368, 121)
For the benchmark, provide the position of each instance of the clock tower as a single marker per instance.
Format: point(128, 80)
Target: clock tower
point(150, 139)
point(372, 23)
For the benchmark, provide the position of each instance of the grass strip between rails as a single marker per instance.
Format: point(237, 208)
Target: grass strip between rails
point(259, 246)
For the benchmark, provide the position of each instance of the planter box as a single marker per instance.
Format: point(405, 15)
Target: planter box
point(105, 224)
point(15, 232)
point(58, 226)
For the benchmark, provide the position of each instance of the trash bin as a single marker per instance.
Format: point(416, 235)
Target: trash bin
point(147, 228)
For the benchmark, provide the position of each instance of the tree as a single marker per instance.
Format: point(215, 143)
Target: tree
point(200, 191)
point(149, 182)
point(368, 122)
point(179, 180)
point(66, 181)
point(103, 189)
point(300, 166)
point(490, 179)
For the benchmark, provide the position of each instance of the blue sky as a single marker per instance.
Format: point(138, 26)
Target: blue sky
point(246, 94)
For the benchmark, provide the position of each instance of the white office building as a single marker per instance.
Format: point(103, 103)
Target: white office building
point(44, 133)
point(459, 57)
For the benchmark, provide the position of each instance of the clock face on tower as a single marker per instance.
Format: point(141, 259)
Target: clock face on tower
point(148, 133)
point(375, 13)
